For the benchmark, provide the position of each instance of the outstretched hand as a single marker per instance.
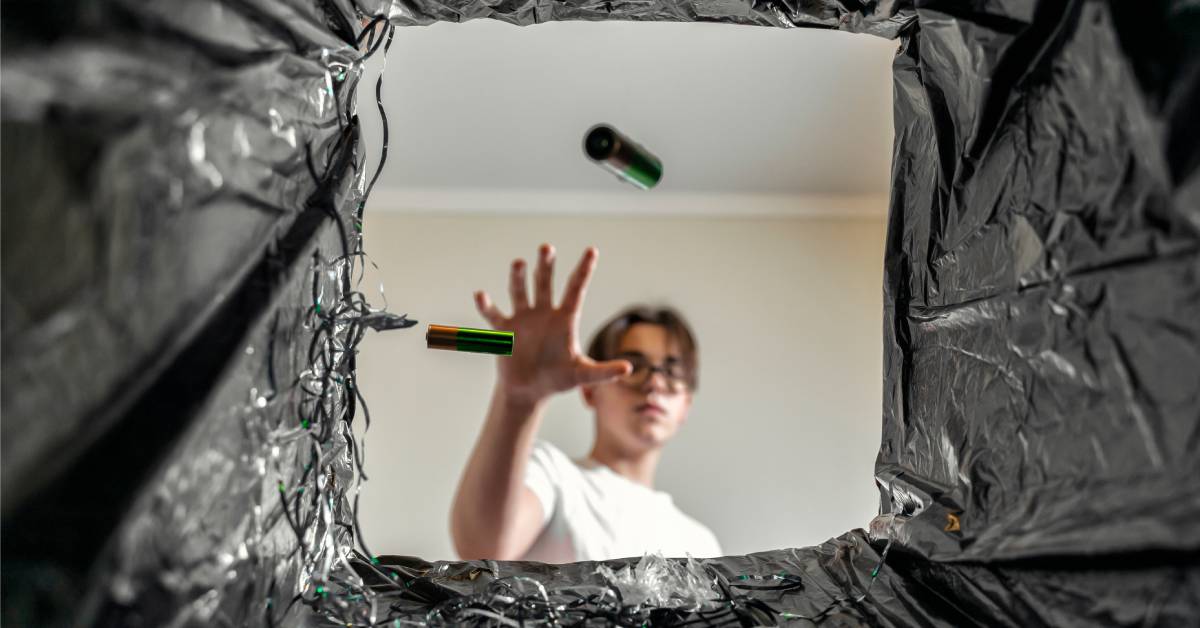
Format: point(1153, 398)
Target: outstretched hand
point(546, 358)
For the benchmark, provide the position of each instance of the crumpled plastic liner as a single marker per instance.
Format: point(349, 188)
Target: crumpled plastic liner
point(1040, 455)
point(840, 563)
point(170, 174)
point(150, 155)
point(660, 582)
point(885, 18)
point(909, 590)
point(209, 543)
point(1042, 282)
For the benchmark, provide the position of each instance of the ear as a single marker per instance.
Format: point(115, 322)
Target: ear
point(589, 395)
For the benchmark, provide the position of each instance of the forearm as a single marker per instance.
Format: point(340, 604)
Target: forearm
point(487, 519)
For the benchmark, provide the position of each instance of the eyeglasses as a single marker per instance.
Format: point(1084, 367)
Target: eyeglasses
point(673, 373)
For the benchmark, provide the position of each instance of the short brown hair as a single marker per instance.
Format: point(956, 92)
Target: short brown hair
point(606, 341)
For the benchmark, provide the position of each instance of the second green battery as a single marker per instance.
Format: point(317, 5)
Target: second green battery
point(625, 158)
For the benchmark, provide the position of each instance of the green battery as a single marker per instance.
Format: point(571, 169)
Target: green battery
point(622, 156)
point(469, 339)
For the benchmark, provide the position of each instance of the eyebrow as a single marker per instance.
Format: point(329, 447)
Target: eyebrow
point(671, 359)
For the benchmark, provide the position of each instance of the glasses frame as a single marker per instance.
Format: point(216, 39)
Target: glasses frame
point(632, 380)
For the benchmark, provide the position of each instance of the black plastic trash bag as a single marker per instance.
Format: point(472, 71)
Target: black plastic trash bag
point(182, 193)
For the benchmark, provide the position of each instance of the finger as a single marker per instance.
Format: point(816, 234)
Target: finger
point(588, 371)
point(489, 310)
point(543, 277)
point(517, 288)
point(578, 283)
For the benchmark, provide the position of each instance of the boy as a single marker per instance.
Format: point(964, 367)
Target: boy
point(518, 500)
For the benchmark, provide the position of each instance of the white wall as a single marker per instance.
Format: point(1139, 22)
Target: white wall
point(780, 445)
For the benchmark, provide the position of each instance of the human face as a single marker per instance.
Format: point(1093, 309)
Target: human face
point(642, 417)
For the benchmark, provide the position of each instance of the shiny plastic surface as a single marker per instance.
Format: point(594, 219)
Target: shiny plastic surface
point(182, 193)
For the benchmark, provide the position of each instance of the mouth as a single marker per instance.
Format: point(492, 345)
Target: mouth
point(651, 408)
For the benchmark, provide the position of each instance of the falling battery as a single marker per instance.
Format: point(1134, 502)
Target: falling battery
point(469, 339)
point(622, 156)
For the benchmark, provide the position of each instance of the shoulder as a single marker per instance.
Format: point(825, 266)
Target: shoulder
point(552, 463)
point(547, 455)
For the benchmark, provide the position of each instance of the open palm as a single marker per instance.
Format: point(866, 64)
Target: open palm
point(546, 358)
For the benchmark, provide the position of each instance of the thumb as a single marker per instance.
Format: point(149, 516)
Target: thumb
point(589, 371)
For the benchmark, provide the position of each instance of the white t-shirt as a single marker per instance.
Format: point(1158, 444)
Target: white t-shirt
point(589, 512)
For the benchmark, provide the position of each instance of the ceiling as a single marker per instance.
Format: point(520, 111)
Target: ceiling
point(485, 115)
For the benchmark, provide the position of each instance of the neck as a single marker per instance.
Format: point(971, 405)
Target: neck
point(637, 466)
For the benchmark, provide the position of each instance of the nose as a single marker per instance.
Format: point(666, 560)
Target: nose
point(656, 380)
